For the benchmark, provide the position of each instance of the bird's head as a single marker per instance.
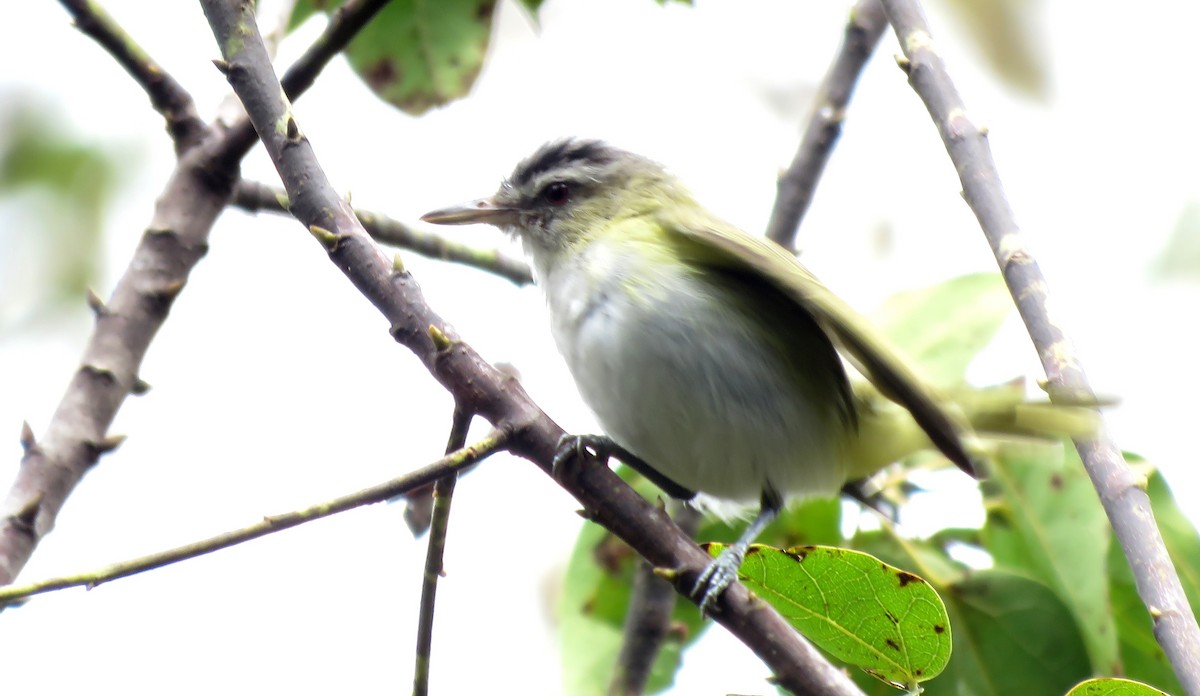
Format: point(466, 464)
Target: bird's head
point(568, 194)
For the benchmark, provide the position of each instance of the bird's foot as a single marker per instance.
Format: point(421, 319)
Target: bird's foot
point(716, 577)
point(575, 447)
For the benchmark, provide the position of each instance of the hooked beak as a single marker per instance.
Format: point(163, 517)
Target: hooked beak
point(483, 210)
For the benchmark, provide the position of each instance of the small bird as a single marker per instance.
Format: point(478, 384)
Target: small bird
point(712, 359)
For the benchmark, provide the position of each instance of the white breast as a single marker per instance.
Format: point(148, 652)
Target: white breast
point(685, 383)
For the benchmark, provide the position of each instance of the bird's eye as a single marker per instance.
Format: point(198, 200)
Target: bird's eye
point(556, 193)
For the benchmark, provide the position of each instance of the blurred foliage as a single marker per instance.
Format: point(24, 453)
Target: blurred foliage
point(417, 55)
point(54, 193)
point(943, 327)
point(1180, 258)
point(1048, 603)
point(1007, 36)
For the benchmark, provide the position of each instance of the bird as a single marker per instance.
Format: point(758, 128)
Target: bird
point(713, 359)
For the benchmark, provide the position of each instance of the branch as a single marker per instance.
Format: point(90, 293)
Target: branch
point(477, 386)
point(648, 619)
point(176, 239)
point(255, 197)
point(446, 466)
point(443, 492)
point(76, 437)
point(167, 96)
point(799, 183)
point(345, 22)
point(1121, 490)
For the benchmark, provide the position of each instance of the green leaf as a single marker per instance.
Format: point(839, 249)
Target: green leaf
point(1012, 634)
point(1018, 638)
point(1045, 520)
point(1113, 687)
point(417, 55)
point(864, 612)
point(943, 327)
point(1142, 656)
point(598, 581)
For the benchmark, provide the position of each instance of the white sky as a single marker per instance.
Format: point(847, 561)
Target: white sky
point(276, 385)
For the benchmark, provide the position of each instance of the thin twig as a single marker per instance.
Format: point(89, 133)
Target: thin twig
point(174, 242)
point(167, 96)
point(446, 466)
point(476, 385)
point(255, 197)
point(799, 183)
point(443, 493)
point(648, 618)
point(1121, 490)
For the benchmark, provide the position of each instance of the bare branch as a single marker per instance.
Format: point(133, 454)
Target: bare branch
point(1121, 490)
point(443, 493)
point(168, 97)
point(177, 237)
point(799, 183)
point(476, 385)
point(174, 242)
point(446, 466)
point(254, 197)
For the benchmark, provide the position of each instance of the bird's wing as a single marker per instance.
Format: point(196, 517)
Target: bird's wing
point(705, 240)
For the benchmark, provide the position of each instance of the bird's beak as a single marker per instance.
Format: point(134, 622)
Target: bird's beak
point(483, 210)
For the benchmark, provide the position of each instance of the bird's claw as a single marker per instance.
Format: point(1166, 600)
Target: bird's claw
point(576, 447)
point(716, 577)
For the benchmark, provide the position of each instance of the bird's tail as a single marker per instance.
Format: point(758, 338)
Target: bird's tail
point(887, 433)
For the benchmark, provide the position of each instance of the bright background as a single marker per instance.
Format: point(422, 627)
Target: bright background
point(277, 386)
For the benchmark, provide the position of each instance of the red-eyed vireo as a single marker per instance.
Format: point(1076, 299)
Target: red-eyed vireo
point(712, 356)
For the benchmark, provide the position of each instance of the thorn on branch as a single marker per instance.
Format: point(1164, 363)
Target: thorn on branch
point(668, 574)
point(221, 66)
point(167, 292)
point(158, 300)
point(96, 304)
point(28, 441)
point(100, 448)
point(328, 239)
point(904, 64)
point(440, 340)
point(293, 129)
point(140, 387)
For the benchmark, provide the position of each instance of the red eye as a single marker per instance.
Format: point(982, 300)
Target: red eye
point(556, 193)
